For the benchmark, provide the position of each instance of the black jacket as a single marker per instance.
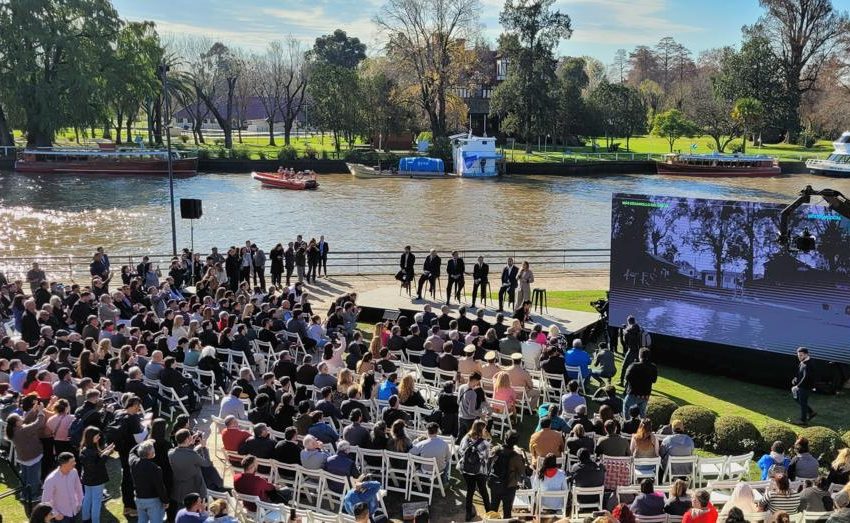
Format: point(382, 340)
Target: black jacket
point(407, 265)
point(509, 276)
point(455, 268)
point(258, 447)
point(147, 478)
point(94, 467)
point(481, 272)
point(805, 376)
point(639, 378)
point(432, 265)
point(288, 452)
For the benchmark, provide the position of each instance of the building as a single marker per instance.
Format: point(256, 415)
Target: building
point(477, 98)
point(731, 279)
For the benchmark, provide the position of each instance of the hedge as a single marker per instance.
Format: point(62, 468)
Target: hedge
point(698, 421)
point(659, 409)
point(736, 435)
point(846, 438)
point(824, 443)
point(778, 432)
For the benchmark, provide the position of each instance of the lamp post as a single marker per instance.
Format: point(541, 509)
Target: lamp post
point(163, 70)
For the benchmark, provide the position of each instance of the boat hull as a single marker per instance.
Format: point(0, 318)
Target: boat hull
point(275, 180)
point(181, 167)
point(827, 168)
point(359, 170)
point(712, 171)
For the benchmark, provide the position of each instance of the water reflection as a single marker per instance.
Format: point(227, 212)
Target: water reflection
point(49, 214)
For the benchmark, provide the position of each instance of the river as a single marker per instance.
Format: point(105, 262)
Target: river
point(71, 215)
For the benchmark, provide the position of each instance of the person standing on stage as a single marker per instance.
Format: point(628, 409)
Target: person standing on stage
point(509, 283)
point(525, 278)
point(454, 269)
point(289, 262)
point(480, 274)
point(301, 259)
point(802, 386)
point(323, 256)
point(430, 272)
point(276, 257)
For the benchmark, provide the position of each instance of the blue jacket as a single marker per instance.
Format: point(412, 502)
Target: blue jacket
point(578, 358)
point(184, 516)
point(386, 389)
point(323, 432)
point(368, 496)
point(767, 461)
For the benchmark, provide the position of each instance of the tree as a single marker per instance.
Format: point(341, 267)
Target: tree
point(643, 65)
point(532, 32)
point(338, 49)
point(619, 110)
point(383, 109)
point(426, 40)
point(672, 125)
point(334, 92)
point(295, 76)
point(712, 114)
point(748, 112)
point(666, 50)
point(651, 94)
point(53, 54)
point(572, 117)
point(267, 77)
point(214, 74)
point(804, 35)
point(620, 66)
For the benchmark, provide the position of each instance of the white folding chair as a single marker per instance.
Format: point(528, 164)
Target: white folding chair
point(501, 418)
point(651, 519)
point(738, 467)
point(284, 474)
point(552, 501)
point(308, 483)
point(627, 493)
point(710, 469)
point(524, 502)
point(333, 489)
point(396, 467)
point(680, 467)
point(815, 517)
point(579, 377)
point(372, 462)
point(423, 474)
point(241, 509)
point(720, 491)
point(646, 468)
point(269, 512)
point(553, 387)
point(584, 506)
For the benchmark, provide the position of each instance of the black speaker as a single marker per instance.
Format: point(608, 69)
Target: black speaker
point(190, 209)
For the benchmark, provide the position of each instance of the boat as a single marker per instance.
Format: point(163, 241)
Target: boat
point(717, 164)
point(106, 160)
point(408, 167)
point(837, 164)
point(300, 181)
point(475, 156)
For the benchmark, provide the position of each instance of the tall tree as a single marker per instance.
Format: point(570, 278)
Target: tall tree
point(334, 92)
point(572, 117)
point(748, 112)
point(295, 77)
point(643, 65)
point(381, 103)
point(214, 74)
point(620, 111)
point(665, 51)
point(338, 49)
point(712, 113)
point(267, 75)
point(672, 125)
point(427, 39)
point(533, 31)
point(804, 35)
point(54, 52)
point(620, 66)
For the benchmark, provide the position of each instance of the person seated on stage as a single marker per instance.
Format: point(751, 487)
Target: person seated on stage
point(430, 273)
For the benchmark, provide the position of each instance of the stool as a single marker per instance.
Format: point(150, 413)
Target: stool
point(405, 286)
point(538, 299)
point(437, 288)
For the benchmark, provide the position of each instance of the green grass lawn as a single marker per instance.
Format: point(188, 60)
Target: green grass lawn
point(574, 300)
point(658, 146)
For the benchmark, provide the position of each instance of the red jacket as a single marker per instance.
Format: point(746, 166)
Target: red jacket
point(707, 515)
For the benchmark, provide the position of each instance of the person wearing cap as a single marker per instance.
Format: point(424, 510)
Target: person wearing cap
point(468, 364)
point(677, 444)
point(490, 367)
point(522, 378)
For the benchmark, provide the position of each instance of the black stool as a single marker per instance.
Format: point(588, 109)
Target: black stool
point(538, 299)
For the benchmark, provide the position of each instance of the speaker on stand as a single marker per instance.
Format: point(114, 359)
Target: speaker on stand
point(190, 209)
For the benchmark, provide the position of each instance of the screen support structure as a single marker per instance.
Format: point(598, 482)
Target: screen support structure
point(836, 201)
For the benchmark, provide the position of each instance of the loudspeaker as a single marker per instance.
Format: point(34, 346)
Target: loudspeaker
point(190, 209)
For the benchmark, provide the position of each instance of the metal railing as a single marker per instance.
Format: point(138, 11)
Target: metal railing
point(75, 269)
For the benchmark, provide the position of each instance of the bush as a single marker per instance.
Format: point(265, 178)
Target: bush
point(324, 154)
point(824, 443)
point(310, 152)
point(203, 154)
point(846, 438)
point(287, 153)
point(222, 153)
point(441, 147)
point(241, 154)
point(736, 435)
point(659, 409)
point(777, 432)
point(218, 141)
point(262, 155)
point(387, 161)
point(698, 421)
point(807, 138)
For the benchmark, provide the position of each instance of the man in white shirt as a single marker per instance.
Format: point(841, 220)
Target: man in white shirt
point(434, 447)
point(232, 405)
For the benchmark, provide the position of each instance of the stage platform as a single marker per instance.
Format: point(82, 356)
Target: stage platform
point(374, 303)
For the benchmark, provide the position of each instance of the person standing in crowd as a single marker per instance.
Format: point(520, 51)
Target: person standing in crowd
point(34, 277)
point(507, 468)
point(259, 261)
point(630, 339)
point(151, 498)
point(472, 404)
point(93, 458)
point(802, 385)
point(480, 280)
point(313, 259)
point(475, 452)
point(187, 464)
point(525, 279)
point(639, 379)
point(62, 488)
point(128, 432)
point(430, 273)
point(246, 265)
point(323, 256)
point(276, 257)
point(232, 266)
point(301, 261)
point(509, 284)
point(454, 271)
point(289, 262)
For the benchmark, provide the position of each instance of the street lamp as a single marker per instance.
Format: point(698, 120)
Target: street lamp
point(163, 71)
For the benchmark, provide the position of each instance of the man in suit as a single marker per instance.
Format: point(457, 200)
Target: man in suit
point(430, 273)
point(406, 263)
point(509, 283)
point(480, 274)
point(802, 386)
point(289, 262)
point(323, 255)
point(454, 269)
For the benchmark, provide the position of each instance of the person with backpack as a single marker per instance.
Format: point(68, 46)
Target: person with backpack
point(93, 458)
point(474, 451)
point(631, 336)
point(775, 462)
point(507, 473)
point(472, 404)
point(125, 432)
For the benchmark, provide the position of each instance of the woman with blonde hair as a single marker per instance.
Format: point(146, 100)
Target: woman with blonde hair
point(344, 381)
point(554, 332)
point(407, 393)
point(644, 444)
point(679, 502)
point(178, 329)
point(503, 391)
point(743, 498)
point(104, 349)
point(365, 364)
point(375, 345)
point(839, 469)
point(248, 312)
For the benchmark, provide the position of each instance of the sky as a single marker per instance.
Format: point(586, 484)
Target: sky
point(600, 27)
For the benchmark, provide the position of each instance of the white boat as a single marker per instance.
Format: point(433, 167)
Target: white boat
point(475, 156)
point(837, 165)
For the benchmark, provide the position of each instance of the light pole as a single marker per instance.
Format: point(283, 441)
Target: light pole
point(163, 70)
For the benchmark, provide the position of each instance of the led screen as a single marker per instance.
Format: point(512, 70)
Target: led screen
point(712, 270)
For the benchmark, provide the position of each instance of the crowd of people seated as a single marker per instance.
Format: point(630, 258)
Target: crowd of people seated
point(87, 374)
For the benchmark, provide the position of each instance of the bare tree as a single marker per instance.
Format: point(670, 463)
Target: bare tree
point(428, 38)
point(805, 34)
point(267, 74)
point(620, 67)
point(293, 83)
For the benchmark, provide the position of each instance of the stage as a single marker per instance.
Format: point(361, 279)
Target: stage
point(376, 302)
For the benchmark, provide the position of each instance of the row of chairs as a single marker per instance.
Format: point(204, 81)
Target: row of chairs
point(276, 512)
point(754, 517)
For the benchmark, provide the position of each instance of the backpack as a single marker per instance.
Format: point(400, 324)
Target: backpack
point(470, 462)
point(776, 469)
point(499, 468)
point(78, 426)
point(645, 339)
point(116, 431)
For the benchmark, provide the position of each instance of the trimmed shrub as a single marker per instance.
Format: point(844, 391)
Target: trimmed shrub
point(824, 443)
point(203, 154)
point(736, 435)
point(846, 438)
point(287, 153)
point(698, 421)
point(778, 432)
point(262, 155)
point(659, 409)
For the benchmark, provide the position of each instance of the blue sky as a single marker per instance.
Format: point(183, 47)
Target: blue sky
point(600, 26)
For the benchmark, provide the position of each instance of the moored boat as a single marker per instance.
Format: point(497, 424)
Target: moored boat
point(62, 160)
point(719, 165)
point(475, 156)
point(408, 167)
point(287, 180)
point(837, 165)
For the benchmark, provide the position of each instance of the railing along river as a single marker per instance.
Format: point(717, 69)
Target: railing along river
point(75, 269)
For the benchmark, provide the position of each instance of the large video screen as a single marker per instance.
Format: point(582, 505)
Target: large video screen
point(712, 270)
